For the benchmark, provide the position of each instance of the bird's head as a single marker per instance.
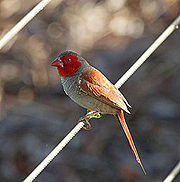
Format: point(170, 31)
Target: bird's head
point(67, 63)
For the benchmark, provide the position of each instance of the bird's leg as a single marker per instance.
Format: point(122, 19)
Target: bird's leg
point(90, 114)
point(93, 114)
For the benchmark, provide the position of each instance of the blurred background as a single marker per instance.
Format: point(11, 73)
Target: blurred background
point(35, 113)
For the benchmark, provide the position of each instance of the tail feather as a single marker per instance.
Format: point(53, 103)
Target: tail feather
point(121, 119)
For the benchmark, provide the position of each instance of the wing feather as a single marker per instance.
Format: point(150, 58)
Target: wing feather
point(95, 84)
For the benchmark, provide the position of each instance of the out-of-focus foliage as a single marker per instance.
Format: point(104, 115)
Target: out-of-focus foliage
point(35, 114)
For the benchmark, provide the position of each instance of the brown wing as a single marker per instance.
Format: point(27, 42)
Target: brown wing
point(94, 83)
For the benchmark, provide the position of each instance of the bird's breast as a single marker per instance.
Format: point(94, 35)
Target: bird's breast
point(72, 89)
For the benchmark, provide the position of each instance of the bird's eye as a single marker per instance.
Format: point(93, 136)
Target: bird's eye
point(68, 60)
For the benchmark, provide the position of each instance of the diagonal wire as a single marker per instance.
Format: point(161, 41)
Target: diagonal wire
point(54, 152)
point(9, 35)
point(173, 173)
point(149, 51)
point(121, 81)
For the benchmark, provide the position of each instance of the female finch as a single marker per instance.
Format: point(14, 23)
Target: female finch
point(89, 88)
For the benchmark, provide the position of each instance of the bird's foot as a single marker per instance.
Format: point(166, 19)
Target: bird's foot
point(85, 120)
point(87, 125)
point(87, 117)
point(93, 114)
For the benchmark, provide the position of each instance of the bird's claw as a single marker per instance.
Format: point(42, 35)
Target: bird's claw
point(87, 125)
point(87, 117)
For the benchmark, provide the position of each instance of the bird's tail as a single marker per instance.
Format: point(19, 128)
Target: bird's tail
point(121, 120)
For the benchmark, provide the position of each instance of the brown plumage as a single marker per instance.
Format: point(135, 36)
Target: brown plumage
point(95, 84)
point(89, 88)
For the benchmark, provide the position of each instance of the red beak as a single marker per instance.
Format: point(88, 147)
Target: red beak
point(57, 63)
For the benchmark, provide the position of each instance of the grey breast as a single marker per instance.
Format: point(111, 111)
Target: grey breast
point(72, 89)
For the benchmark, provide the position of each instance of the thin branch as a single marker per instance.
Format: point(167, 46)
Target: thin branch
point(123, 79)
point(8, 36)
point(148, 52)
point(173, 173)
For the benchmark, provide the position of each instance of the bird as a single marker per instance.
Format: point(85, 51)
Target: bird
point(89, 88)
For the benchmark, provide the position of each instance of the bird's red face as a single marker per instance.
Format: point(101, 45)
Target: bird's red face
point(67, 65)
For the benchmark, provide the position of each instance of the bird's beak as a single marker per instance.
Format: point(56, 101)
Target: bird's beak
point(57, 63)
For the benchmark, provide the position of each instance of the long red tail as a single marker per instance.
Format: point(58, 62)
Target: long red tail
point(129, 137)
